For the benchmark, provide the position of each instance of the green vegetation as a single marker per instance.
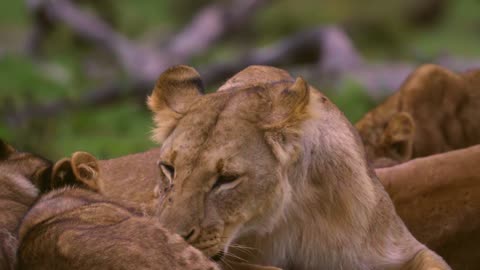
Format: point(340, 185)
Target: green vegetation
point(380, 29)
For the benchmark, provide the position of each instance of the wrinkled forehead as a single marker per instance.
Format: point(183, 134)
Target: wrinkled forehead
point(219, 125)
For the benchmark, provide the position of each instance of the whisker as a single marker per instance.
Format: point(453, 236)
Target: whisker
point(243, 247)
point(244, 251)
point(224, 261)
point(228, 254)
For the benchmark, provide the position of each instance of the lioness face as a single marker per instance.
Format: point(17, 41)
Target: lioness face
point(219, 159)
point(218, 176)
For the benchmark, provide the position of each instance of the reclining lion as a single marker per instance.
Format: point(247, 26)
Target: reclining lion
point(18, 173)
point(438, 198)
point(75, 227)
point(434, 111)
point(133, 179)
point(274, 166)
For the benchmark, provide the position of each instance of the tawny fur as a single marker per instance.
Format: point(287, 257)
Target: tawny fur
point(18, 173)
point(438, 198)
point(434, 111)
point(276, 167)
point(78, 228)
point(132, 178)
point(135, 180)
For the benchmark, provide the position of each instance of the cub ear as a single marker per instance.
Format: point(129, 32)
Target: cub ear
point(62, 175)
point(5, 149)
point(398, 136)
point(289, 108)
point(86, 170)
point(175, 91)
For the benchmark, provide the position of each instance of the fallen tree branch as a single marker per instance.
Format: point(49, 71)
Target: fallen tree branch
point(209, 25)
point(145, 64)
point(328, 52)
point(328, 48)
point(108, 94)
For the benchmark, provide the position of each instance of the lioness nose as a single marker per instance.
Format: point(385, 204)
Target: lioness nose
point(192, 235)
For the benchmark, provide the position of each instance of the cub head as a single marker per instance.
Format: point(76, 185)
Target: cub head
point(225, 156)
point(387, 141)
point(33, 167)
point(81, 170)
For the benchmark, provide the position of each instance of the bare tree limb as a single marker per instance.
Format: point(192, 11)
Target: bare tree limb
point(210, 24)
point(328, 48)
point(328, 52)
point(108, 94)
point(141, 63)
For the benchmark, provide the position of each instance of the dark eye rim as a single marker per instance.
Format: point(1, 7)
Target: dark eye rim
point(225, 179)
point(168, 167)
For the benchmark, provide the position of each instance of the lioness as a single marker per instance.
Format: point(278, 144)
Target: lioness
point(132, 179)
point(274, 166)
point(438, 198)
point(434, 111)
point(78, 228)
point(18, 172)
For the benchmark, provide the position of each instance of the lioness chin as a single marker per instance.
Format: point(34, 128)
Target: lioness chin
point(76, 227)
point(19, 171)
point(434, 111)
point(274, 166)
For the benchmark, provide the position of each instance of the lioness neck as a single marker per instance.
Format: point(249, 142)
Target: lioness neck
point(338, 215)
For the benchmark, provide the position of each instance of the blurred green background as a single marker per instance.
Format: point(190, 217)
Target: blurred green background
point(395, 30)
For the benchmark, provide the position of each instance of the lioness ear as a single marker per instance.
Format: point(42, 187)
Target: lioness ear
point(398, 136)
point(5, 149)
point(86, 170)
point(175, 91)
point(288, 110)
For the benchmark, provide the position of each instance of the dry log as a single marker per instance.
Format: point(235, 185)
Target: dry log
point(328, 52)
point(141, 63)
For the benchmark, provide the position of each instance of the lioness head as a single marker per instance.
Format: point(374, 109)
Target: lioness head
point(388, 139)
point(223, 152)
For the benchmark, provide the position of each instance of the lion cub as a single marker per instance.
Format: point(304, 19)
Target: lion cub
point(18, 173)
point(75, 227)
point(434, 111)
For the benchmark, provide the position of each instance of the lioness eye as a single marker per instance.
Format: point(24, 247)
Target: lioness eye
point(224, 179)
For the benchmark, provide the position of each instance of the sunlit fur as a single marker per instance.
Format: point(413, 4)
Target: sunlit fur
point(132, 178)
point(303, 198)
point(77, 227)
point(438, 198)
point(443, 111)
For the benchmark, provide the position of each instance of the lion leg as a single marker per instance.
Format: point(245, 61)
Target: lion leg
point(426, 259)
